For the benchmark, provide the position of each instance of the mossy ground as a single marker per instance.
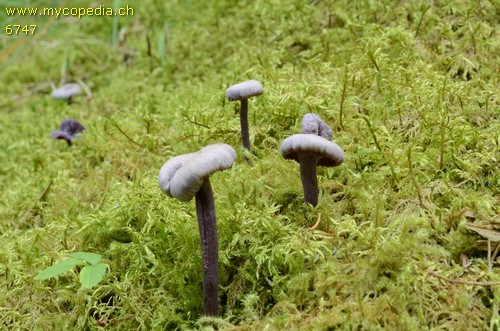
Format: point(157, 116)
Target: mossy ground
point(410, 89)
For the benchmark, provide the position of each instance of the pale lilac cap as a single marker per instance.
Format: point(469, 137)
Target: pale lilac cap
point(182, 176)
point(244, 90)
point(328, 153)
point(67, 91)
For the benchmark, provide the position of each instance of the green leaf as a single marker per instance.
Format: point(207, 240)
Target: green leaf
point(92, 274)
point(90, 258)
point(58, 268)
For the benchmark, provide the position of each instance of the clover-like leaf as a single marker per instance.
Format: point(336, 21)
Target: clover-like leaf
point(91, 275)
point(59, 268)
point(90, 258)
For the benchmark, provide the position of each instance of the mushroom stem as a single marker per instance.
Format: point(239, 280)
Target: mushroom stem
point(244, 124)
point(205, 211)
point(308, 165)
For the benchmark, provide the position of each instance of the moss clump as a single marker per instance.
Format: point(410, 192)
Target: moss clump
point(410, 92)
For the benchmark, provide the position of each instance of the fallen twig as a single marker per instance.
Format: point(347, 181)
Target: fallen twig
point(128, 137)
point(123, 132)
point(27, 212)
point(194, 121)
point(85, 88)
point(317, 223)
point(465, 282)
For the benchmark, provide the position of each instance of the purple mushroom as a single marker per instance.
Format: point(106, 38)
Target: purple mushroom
point(186, 176)
point(67, 92)
point(243, 91)
point(68, 130)
point(313, 124)
point(311, 151)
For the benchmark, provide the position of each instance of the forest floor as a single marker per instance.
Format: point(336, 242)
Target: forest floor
point(409, 88)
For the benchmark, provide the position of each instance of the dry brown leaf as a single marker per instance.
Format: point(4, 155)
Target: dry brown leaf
point(485, 231)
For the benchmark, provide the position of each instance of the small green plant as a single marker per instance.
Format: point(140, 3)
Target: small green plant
point(90, 275)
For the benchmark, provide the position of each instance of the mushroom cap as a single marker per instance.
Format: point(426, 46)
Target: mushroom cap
point(71, 126)
point(328, 153)
point(182, 176)
point(67, 91)
point(244, 90)
point(67, 130)
point(58, 134)
point(313, 124)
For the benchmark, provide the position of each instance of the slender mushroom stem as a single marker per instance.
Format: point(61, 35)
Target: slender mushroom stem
point(308, 165)
point(244, 124)
point(205, 211)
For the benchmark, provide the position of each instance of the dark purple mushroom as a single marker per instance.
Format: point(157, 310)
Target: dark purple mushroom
point(311, 151)
point(243, 91)
point(186, 176)
point(68, 130)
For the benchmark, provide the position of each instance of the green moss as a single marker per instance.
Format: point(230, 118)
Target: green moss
point(410, 91)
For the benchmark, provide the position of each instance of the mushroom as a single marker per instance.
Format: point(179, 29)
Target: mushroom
point(243, 91)
point(67, 92)
point(313, 124)
point(68, 129)
point(311, 151)
point(186, 176)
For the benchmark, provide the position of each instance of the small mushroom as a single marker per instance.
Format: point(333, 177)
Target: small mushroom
point(68, 130)
point(313, 124)
point(67, 92)
point(186, 176)
point(243, 91)
point(311, 151)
